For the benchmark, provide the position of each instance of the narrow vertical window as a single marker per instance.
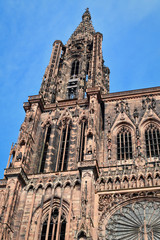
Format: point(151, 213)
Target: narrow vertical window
point(124, 144)
point(65, 164)
point(152, 138)
point(62, 161)
point(75, 68)
point(87, 70)
point(45, 148)
point(44, 229)
point(62, 148)
point(50, 229)
point(63, 230)
point(82, 141)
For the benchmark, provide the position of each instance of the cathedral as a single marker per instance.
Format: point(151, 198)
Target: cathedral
point(86, 164)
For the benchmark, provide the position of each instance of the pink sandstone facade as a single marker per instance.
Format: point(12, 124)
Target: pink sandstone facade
point(86, 163)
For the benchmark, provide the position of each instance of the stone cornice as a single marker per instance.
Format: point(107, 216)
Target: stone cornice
point(65, 103)
point(90, 164)
point(90, 91)
point(94, 91)
point(34, 99)
point(16, 172)
point(53, 174)
point(128, 190)
point(131, 94)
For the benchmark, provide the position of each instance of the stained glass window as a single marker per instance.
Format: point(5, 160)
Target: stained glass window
point(136, 221)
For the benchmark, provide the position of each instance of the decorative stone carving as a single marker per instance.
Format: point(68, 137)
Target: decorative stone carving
point(122, 107)
point(109, 144)
point(149, 103)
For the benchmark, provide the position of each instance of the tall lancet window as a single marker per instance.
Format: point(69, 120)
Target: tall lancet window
point(45, 148)
point(87, 71)
point(72, 84)
point(152, 137)
point(124, 144)
point(75, 68)
point(63, 149)
point(82, 140)
point(54, 227)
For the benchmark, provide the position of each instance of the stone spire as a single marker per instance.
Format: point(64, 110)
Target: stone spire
point(84, 28)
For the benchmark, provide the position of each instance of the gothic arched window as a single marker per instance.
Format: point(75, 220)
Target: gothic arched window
point(54, 227)
point(63, 149)
point(124, 144)
point(45, 148)
point(75, 68)
point(152, 138)
point(82, 140)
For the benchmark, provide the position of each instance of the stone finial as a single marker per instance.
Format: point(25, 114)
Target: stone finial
point(86, 15)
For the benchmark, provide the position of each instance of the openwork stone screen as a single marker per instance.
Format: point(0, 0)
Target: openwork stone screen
point(136, 221)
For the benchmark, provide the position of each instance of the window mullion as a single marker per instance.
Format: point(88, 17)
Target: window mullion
point(53, 230)
point(59, 217)
point(120, 146)
point(81, 140)
point(44, 142)
point(124, 144)
point(75, 67)
point(128, 144)
point(153, 142)
point(59, 148)
point(50, 214)
point(48, 226)
point(64, 150)
point(157, 142)
point(80, 143)
point(149, 143)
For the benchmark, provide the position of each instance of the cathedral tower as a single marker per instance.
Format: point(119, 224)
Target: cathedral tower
point(86, 162)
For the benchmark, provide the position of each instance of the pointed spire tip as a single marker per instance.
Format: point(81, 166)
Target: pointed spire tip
point(86, 15)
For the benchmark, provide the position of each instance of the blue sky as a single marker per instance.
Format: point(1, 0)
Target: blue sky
point(131, 49)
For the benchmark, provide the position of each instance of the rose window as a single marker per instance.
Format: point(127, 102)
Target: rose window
point(136, 221)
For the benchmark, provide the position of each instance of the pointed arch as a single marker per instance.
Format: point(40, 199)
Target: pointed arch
point(82, 235)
